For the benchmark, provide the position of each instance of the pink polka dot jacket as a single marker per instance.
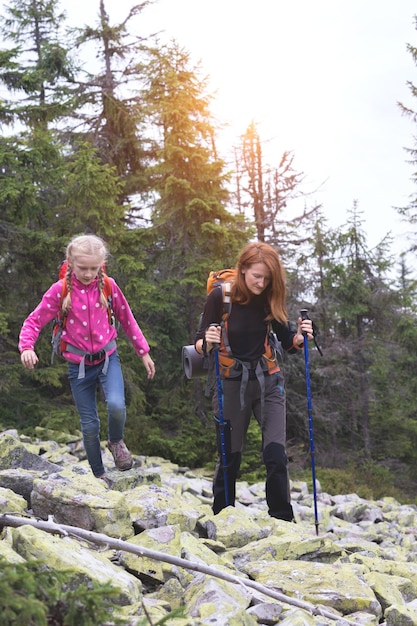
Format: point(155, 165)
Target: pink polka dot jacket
point(87, 325)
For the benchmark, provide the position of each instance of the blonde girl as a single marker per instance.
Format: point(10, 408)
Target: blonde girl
point(90, 346)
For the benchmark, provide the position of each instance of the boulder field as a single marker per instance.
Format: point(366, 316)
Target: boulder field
point(153, 538)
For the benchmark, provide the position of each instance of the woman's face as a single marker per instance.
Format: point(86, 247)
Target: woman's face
point(257, 277)
point(86, 267)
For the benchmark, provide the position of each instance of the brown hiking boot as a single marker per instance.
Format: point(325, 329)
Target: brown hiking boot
point(104, 478)
point(122, 457)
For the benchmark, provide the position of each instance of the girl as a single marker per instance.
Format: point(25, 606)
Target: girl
point(90, 345)
point(251, 378)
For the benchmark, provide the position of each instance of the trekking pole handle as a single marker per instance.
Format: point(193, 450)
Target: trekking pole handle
point(304, 316)
point(216, 346)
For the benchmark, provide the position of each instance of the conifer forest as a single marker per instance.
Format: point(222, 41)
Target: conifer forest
point(130, 151)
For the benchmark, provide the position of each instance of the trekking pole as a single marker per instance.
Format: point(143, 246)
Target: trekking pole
point(304, 316)
point(222, 424)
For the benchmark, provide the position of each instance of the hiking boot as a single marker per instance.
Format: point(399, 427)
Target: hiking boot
point(121, 455)
point(104, 478)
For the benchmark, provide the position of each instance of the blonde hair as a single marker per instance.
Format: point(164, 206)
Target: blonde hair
point(276, 291)
point(85, 245)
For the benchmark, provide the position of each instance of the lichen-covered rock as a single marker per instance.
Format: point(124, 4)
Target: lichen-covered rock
point(65, 554)
point(391, 589)
point(360, 569)
point(20, 481)
point(14, 454)
point(151, 506)
point(267, 613)
point(400, 616)
point(85, 503)
point(48, 434)
point(404, 569)
point(164, 539)
point(210, 598)
point(339, 586)
point(171, 592)
point(10, 501)
point(288, 547)
point(8, 554)
point(234, 527)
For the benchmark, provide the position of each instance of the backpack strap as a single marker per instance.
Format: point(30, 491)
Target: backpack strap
point(59, 322)
point(109, 298)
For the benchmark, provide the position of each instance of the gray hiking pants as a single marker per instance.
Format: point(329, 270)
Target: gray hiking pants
point(272, 421)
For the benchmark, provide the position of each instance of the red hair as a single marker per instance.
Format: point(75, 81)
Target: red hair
point(276, 291)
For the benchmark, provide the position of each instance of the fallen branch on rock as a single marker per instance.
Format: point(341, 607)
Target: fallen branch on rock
point(117, 544)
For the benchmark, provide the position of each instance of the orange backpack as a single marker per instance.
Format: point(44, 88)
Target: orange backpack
point(225, 278)
point(195, 364)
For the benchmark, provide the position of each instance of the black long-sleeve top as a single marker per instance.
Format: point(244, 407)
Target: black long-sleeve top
point(247, 327)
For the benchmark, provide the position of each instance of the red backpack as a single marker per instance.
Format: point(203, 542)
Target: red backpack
point(58, 345)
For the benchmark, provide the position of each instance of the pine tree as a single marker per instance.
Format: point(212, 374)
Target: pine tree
point(38, 69)
point(266, 193)
point(191, 233)
point(409, 212)
point(48, 192)
point(110, 107)
point(357, 283)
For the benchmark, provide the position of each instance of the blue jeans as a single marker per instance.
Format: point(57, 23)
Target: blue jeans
point(84, 392)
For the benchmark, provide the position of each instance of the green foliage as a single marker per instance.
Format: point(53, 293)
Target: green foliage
point(368, 480)
point(172, 431)
point(91, 195)
point(33, 595)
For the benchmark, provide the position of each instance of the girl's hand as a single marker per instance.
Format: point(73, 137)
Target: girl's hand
point(29, 359)
point(149, 366)
point(304, 327)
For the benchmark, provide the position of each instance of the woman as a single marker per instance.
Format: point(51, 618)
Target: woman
point(251, 377)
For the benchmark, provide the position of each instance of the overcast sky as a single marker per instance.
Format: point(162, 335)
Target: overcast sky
point(321, 79)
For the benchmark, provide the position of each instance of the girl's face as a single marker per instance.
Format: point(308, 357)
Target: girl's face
point(86, 267)
point(257, 277)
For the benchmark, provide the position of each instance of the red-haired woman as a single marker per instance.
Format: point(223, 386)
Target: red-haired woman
point(252, 381)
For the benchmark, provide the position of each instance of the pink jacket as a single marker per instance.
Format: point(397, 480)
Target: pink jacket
point(87, 325)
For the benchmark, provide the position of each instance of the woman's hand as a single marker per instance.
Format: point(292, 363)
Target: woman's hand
point(149, 366)
point(305, 328)
point(213, 335)
point(29, 359)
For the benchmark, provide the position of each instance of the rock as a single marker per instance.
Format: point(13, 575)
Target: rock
point(234, 528)
point(152, 506)
point(10, 501)
point(13, 454)
point(85, 503)
point(244, 568)
point(268, 613)
point(68, 555)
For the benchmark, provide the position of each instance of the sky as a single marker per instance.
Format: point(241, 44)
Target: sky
point(321, 79)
